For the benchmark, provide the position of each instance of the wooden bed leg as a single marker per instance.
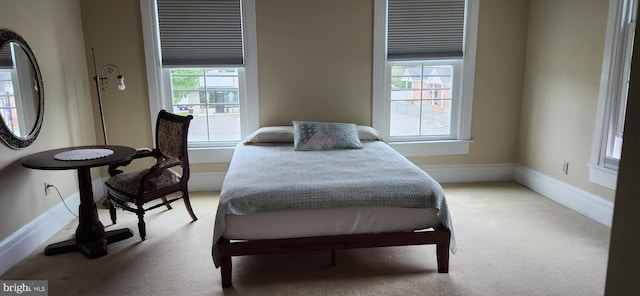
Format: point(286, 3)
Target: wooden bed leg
point(333, 257)
point(442, 251)
point(225, 263)
point(225, 271)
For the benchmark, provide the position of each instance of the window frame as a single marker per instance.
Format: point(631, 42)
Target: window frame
point(423, 146)
point(602, 169)
point(159, 83)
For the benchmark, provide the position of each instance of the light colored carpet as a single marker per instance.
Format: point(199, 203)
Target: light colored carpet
point(511, 241)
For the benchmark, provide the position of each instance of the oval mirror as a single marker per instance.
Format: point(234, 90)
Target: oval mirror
point(21, 92)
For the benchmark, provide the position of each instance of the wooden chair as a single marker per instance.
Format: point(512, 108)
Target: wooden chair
point(144, 185)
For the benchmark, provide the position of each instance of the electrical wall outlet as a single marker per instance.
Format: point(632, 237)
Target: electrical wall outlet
point(46, 188)
point(565, 168)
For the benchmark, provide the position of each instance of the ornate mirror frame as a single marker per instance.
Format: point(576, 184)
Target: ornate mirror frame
point(6, 135)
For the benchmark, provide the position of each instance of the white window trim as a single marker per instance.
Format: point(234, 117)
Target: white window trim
point(249, 116)
point(380, 108)
point(598, 173)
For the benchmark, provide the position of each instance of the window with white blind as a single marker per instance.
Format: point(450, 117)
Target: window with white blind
point(204, 64)
point(424, 61)
point(614, 86)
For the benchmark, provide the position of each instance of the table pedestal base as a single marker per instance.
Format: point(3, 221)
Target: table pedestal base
point(93, 249)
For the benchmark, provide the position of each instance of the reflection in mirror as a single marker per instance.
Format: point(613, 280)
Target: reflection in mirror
point(18, 92)
point(21, 97)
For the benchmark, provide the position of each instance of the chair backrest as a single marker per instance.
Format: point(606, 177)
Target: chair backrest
point(171, 137)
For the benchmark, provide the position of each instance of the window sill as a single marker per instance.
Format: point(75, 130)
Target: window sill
point(603, 176)
point(408, 149)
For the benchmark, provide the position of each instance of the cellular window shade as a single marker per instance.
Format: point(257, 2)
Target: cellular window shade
point(200, 32)
point(425, 29)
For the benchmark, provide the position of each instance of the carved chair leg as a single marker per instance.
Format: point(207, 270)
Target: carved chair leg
point(187, 204)
point(112, 210)
point(164, 200)
point(142, 228)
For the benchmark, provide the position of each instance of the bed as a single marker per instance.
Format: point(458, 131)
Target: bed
point(338, 194)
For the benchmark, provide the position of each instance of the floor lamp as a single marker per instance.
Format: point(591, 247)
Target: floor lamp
point(102, 84)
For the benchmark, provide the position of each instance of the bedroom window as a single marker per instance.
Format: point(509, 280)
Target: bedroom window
point(201, 61)
point(424, 61)
point(211, 95)
point(421, 99)
point(614, 85)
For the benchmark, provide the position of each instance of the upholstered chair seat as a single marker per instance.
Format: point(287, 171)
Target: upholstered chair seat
point(129, 182)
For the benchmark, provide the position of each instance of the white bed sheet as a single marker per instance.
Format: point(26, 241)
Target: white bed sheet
point(323, 222)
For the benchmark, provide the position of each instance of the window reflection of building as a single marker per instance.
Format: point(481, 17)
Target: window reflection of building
point(8, 108)
point(216, 92)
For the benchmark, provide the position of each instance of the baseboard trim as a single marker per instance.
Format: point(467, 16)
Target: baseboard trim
point(585, 203)
point(208, 181)
point(463, 173)
point(30, 237)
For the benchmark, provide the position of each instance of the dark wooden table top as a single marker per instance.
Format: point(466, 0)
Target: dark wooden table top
point(45, 161)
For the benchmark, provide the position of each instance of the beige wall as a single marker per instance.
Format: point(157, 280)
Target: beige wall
point(560, 95)
point(53, 30)
point(314, 60)
point(113, 28)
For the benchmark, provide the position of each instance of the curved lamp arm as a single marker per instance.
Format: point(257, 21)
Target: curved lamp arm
point(106, 71)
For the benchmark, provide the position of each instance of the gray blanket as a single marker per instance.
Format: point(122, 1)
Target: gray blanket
point(273, 177)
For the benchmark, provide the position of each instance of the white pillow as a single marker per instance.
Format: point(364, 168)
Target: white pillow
point(271, 134)
point(368, 133)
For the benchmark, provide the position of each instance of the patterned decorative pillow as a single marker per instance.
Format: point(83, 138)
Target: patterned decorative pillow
point(308, 135)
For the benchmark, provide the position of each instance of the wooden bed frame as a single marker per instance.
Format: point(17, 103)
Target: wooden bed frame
point(439, 235)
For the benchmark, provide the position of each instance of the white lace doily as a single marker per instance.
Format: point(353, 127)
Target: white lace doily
point(83, 154)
